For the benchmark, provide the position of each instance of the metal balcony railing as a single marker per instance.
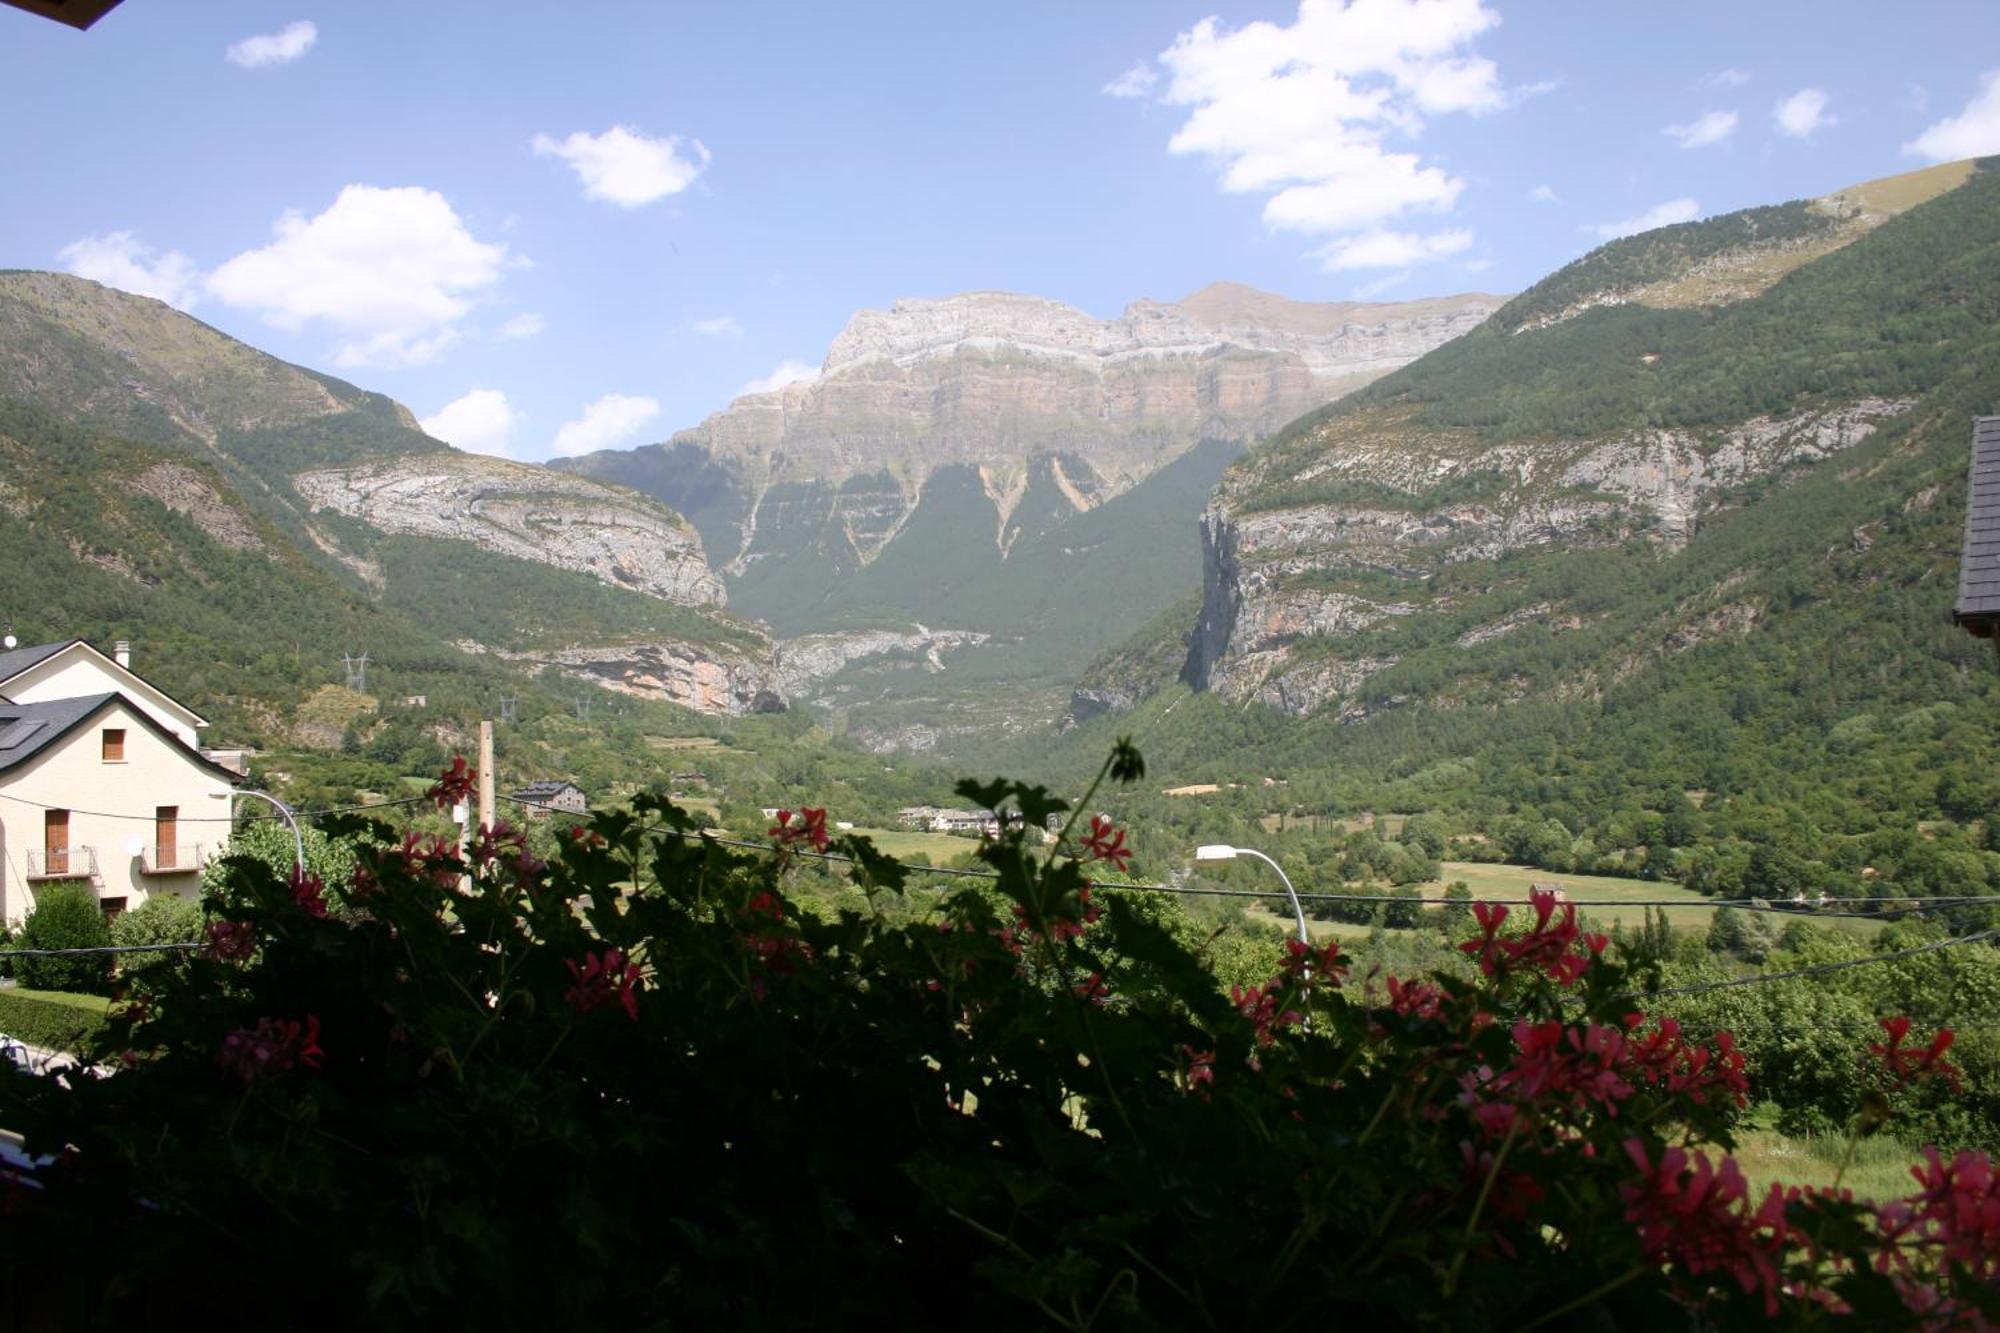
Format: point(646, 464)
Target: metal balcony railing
point(180, 859)
point(62, 863)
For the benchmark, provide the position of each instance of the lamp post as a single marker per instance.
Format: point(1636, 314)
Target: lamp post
point(285, 812)
point(1219, 851)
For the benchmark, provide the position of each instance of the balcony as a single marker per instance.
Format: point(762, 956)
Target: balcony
point(180, 859)
point(62, 863)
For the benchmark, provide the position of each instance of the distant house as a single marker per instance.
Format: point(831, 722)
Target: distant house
point(551, 796)
point(101, 781)
point(1978, 608)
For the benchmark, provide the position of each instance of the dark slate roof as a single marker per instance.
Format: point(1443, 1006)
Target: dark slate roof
point(28, 729)
point(14, 662)
point(545, 787)
point(1979, 562)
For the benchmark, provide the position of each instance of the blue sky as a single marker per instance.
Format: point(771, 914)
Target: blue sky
point(547, 233)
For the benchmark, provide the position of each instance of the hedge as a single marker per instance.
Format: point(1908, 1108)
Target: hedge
point(52, 1020)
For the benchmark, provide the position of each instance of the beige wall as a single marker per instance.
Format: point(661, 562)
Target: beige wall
point(76, 671)
point(74, 776)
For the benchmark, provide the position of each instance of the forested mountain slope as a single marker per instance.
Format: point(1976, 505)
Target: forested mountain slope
point(1570, 578)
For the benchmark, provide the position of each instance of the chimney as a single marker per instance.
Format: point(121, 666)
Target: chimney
point(121, 652)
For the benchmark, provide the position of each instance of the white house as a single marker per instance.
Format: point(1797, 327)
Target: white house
point(101, 781)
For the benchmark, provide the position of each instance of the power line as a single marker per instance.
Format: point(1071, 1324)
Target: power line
point(1820, 969)
point(1802, 910)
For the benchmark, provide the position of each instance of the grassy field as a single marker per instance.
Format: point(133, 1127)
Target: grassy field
point(903, 843)
point(1598, 897)
point(1880, 1170)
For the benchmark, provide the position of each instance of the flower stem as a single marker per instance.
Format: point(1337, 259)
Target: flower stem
point(1479, 1206)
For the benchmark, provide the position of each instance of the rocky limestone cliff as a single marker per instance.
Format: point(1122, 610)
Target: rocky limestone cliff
point(990, 380)
point(618, 537)
point(1285, 583)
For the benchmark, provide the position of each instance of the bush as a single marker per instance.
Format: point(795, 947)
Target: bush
point(1023, 1100)
point(161, 919)
point(66, 916)
point(52, 1020)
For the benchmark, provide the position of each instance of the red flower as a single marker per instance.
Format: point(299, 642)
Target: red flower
point(1323, 965)
point(810, 828)
point(454, 785)
point(1577, 1065)
point(497, 840)
point(1092, 988)
point(1259, 1004)
point(272, 1047)
point(1957, 1210)
point(1906, 1065)
point(601, 980)
point(1201, 1069)
point(1700, 1219)
point(229, 941)
point(309, 893)
point(1107, 843)
point(1547, 945)
point(1414, 999)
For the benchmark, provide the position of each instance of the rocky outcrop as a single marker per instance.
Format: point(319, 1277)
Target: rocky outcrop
point(695, 676)
point(185, 491)
point(616, 536)
point(798, 664)
point(1286, 583)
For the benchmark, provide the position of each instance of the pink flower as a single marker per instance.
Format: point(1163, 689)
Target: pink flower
point(1957, 1210)
point(1414, 999)
point(810, 828)
point(1259, 1004)
point(272, 1047)
point(454, 785)
point(601, 980)
point(1107, 843)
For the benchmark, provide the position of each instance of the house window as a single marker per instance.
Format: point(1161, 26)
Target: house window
point(114, 745)
point(112, 907)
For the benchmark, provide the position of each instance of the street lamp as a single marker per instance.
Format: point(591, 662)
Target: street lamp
point(284, 812)
point(1220, 851)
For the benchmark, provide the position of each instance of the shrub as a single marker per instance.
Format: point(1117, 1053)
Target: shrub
point(65, 916)
point(553, 1101)
point(52, 1020)
point(161, 919)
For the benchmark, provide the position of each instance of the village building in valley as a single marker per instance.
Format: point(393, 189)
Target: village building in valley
point(102, 781)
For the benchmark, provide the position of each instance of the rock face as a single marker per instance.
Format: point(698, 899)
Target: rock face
point(695, 676)
point(800, 663)
point(990, 379)
point(1288, 584)
point(618, 537)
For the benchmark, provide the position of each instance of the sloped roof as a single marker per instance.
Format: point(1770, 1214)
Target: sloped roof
point(1979, 561)
point(16, 660)
point(26, 730)
point(76, 13)
point(544, 787)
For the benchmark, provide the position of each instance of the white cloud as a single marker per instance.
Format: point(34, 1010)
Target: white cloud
point(1544, 194)
point(1711, 127)
point(1726, 78)
point(722, 326)
point(1304, 112)
point(1803, 114)
point(524, 325)
point(624, 167)
point(1659, 215)
point(274, 48)
point(1134, 82)
point(787, 372)
point(1391, 249)
point(480, 422)
point(120, 259)
point(1973, 132)
point(393, 270)
point(606, 423)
